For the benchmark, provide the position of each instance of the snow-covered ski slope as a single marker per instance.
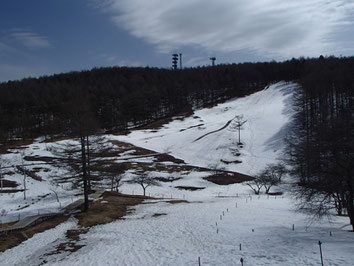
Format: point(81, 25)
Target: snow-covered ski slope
point(210, 223)
point(203, 140)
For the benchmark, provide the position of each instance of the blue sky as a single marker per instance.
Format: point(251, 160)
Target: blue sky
point(42, 37)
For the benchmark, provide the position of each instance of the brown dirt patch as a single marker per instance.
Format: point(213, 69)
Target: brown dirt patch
point(71, 245)
point(9, 183)
point(123, 146)
point(15, 238)
point(191, 188)
point(113, 206)
point(228, 178)
point(116, 208)
point(169, 179)
point(12, 144)
point(177, 201)
point(98, 213)
point(38, 159)
point(158, 214)
point(4, 226)
point(275, 193)
point(168, 158)
point(11, 190)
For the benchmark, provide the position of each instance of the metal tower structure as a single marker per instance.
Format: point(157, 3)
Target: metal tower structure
point(174, 61)
point(212, 60)
point(180, 61)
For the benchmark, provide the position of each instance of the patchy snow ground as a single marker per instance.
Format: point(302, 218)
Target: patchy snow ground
point(268, 114)
point(189, 231)
point(185, 231)
point(217, 219)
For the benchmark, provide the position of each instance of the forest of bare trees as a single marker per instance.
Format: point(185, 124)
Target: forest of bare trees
point(320, 151)
point(321, 148)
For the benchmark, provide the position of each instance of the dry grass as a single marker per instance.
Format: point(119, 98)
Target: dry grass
point(4, 226)
point(14, 144)
point(168, 158)
point(115, 208)
point(123, 146)
point(71, 245)
point(15, 238)
point(98, 213)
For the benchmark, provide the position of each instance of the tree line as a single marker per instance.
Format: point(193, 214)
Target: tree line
point(321, 146)
point(122, 98)
point(320, 150)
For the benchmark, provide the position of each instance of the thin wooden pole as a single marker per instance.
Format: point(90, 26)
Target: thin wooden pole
point(320, 243)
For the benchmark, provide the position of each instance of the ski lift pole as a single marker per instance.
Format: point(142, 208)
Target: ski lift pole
point(320, 243)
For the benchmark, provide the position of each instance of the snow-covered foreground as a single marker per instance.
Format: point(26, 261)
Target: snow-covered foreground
point(185, 231)
point(268, 114)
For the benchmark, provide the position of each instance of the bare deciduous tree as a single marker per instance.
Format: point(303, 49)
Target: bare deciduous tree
point(256, 185)
point(115, 172)
point(271, 176)
point(237, 124)
point(144, 181)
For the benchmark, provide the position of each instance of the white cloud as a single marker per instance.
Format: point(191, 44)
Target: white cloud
point(278, 28)
point(197, 61)
point(108, 59)
point(30, 39)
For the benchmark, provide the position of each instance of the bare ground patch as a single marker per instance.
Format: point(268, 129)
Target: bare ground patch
point(177, 201)
point(168, 179)
point(228, 178)
point(9, 183)
point(158, 214)
point(123, 147)
point(13, 144)
point(117, 205)
point(115, 208)
point(12, 239)
point(11, 190)
point(191, 188)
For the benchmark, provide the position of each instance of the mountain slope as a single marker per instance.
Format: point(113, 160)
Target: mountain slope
point(207, 139)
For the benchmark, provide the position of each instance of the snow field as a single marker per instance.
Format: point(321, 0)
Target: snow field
point(161, 233)
point(33, 250)
point(268, 114)
point(185, 231)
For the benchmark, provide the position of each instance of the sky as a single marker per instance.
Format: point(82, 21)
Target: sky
point(43, 37)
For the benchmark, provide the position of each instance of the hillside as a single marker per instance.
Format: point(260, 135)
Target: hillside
point(179, 225)
point(198, 139)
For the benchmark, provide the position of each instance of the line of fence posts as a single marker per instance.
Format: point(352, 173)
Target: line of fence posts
point(240, 246)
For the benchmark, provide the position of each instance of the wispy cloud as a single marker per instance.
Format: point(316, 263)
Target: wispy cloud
point(196, 61)
point(278, 28)
point(117, 61)
point(30, 39)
